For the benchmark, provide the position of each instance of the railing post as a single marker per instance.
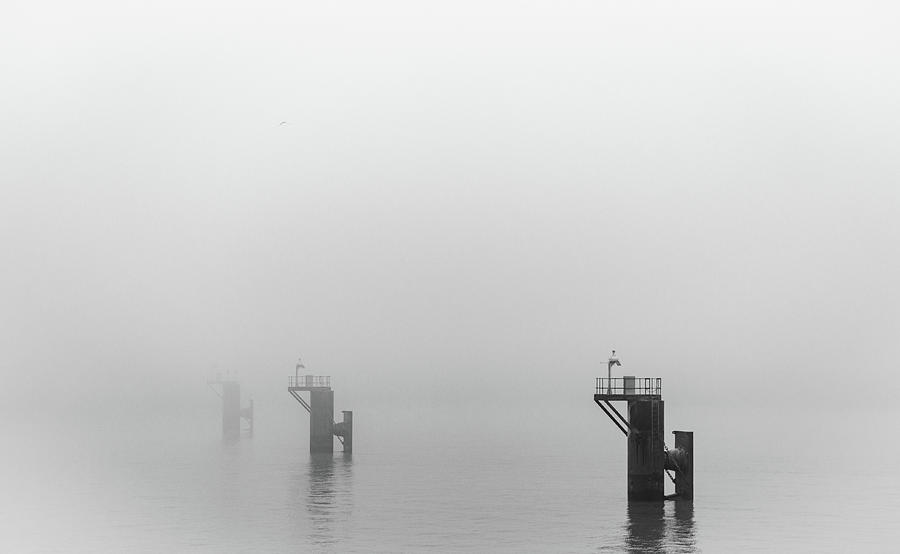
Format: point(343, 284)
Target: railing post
point(616, 386)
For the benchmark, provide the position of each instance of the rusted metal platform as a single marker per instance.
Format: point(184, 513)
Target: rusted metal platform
point(648, 456)
point(633, 389)
point(320, 406)
point(309, 382)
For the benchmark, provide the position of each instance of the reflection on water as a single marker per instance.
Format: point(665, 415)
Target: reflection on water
point(645, 527)
point(660, 527)
point(683, 526)
point(329, 497)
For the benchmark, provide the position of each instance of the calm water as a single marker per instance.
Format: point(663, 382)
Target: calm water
point(161, 485)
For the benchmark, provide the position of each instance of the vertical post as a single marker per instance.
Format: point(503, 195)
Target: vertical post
point(646, 452)
point(251, 415)
point(321, 420)
point(612, 361)
point(684, 482)
point(348, 431)
point(231, 409)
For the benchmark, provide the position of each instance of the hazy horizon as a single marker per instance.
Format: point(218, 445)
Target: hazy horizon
point(456, 210)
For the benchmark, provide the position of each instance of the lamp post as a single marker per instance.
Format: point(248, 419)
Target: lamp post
point(613, 360)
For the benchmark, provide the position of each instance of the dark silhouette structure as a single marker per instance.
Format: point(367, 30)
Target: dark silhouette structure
point(322, 428)
point(232, 413)
point(648, 456)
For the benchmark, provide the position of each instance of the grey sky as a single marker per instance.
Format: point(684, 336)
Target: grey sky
point(469, 198)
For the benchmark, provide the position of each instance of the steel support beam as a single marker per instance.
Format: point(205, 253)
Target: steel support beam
point(625, 421)
point(619, 425)
point(300, 400)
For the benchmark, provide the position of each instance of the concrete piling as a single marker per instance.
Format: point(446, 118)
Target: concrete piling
point(322, 428)
point(648, 457)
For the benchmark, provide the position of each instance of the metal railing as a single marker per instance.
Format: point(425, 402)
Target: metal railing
point(309, 381)
point(629, 385)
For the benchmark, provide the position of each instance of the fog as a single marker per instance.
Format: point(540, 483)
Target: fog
point(467, 206)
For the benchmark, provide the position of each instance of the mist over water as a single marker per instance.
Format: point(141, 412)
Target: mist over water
point(456, 210)
point(555, 482)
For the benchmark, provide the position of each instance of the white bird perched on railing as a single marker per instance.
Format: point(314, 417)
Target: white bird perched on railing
point(298, 368)
point(613, 360)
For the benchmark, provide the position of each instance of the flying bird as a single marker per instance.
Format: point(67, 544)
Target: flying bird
point(282, 123)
